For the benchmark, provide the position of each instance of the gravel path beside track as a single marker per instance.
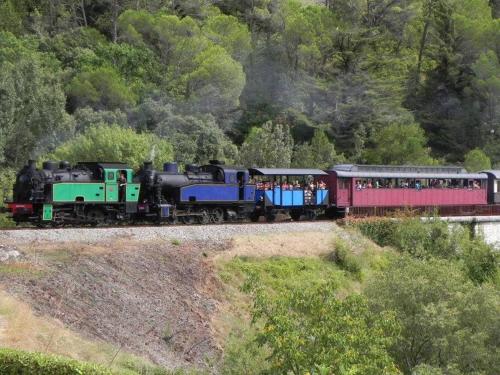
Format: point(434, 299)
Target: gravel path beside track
point(168, 233)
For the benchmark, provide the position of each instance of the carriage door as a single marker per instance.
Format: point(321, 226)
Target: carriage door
point(240, 177)
point(496, 191)
point(344, 192)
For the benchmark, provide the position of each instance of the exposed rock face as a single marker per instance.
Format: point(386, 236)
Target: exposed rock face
point(9, 253)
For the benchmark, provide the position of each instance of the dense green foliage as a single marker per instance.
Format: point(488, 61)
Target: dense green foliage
point(268, 146)
point(436, 239)
point(113, 143)
point(7, 177)
point(476, 161)
point(13, 362)
point(300, 324)
point(287, 83)
point(446, 322)
point(432, 308)
point(376, 81)
point(310, 330)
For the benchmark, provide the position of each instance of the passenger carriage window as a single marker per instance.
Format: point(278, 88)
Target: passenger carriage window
point(343, 183)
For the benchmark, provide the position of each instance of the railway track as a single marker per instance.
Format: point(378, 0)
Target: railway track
point(174, 233)
point(149, 225)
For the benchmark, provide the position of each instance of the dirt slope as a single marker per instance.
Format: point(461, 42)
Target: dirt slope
point(152, 299)
point(161, 300)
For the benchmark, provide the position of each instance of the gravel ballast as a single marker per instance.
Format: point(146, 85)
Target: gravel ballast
point(167, 233)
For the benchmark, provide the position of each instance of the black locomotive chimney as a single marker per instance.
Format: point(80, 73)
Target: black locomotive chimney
point(32, 164)
point(170, 168)
point(148, 165)
point(49, 165)
point(216, 162)
point(63, 164)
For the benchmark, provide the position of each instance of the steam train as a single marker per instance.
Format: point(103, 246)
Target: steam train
point(95, 193)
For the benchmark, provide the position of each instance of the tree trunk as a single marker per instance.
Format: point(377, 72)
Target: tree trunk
point(423, 41)
point(84, 15)
point(495, 8)
point(115, 12)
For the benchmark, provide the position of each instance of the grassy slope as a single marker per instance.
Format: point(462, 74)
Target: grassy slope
point(279, 260)
point(291, 268)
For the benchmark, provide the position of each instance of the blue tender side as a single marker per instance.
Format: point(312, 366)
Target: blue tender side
point(209, 193)
point(216, 193)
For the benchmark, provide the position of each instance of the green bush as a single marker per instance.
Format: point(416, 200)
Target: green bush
point(311, 330)
point(434, 238)
point(381, 231)
point(6, 222)
point(16, 362)
point(481, 261)
point(244, 355)
point(446, 321)
point(430, 238)
point(345, 259)
point(7, 178)
point(278, 274)
point(421, 239)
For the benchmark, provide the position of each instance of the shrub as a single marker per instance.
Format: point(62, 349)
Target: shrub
point(421, 239)
point(6, 222)
point(480, 260)
point(16, 362)
point(112, 142)
point(345, 259)
point(7, 178)
point(381, 231)
point(309, 330)
point(446, 321)
point(243, 355)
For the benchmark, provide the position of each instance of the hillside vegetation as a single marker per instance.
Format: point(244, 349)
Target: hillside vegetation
point(430, 305)
point(267, 82)
point(373, 297)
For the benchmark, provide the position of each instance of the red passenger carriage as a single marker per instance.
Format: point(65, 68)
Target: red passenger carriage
point(376, 189)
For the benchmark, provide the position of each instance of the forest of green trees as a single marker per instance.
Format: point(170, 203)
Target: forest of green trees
point(254, 82)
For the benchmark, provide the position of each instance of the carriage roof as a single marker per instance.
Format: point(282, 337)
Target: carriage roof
point(287, 172)
point(404, 171)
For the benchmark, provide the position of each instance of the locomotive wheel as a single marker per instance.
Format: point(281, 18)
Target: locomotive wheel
point(218, 216)
point(188, 220)
point(270, 217)
point(95, 217)
point(254, 217)
point(203, 218)
point(311, 215)
point(295, 215)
